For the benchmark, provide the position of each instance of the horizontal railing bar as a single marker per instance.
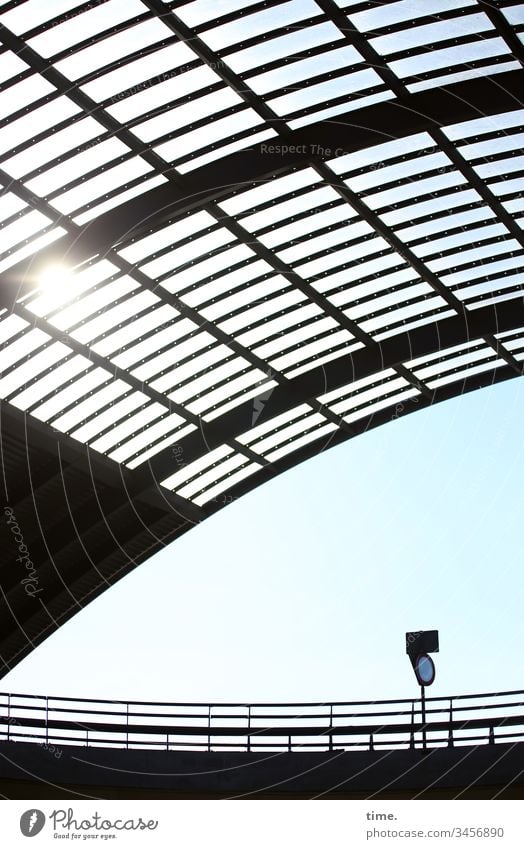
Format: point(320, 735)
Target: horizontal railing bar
point(264, 704)
point(273, 731)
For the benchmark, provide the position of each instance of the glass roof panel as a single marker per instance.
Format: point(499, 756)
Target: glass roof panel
point(167, 236)
point(430, 34)
point(305, 439)
point(92, 302)
point(269, 190)
point(379, 153)
point(208, 268)
point(57, 378)
point(186, 114)
point(180, 477)
point(200, 11)
point(285, 45)
point(228, 465)
point(155, 431)
point(48, 149)
point(10, 65)
point(116, 411)
point(238, 476)
point(131, 425)
point(37, 364)
point(22, 94)
point(32, 246)
point(154, 342)
point(36, 121)
point(319, 93)
point(163, 443)
point(99, 208)
point(449, 57)
point(89, 406)
point(34, 13)
point(98, 186)
point(259, 23)
point(304, 69)
point(80, 27)
point(57, 293)
point(82, 163)
point(10, 325)
point(214, 131)
point(18, 349)
point(225, 150)
point(22, 228)
point(164, 93)
point(135, 330)
point(71, 393)
point(378, 17)
point(187, 252)
point(9, 204)
point(111, 318)
point(514, 14)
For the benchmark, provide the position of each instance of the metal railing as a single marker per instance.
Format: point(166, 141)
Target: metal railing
point(54, 721)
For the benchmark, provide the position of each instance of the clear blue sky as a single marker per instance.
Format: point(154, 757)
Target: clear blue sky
point(303, 589)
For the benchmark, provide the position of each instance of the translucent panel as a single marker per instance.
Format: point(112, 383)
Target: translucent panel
point(399, 171)
point(38, 363)
point(429, 207)
point(311, 224)
point(224, 468)
point(128, 427)
point(211, 266)
point(320, 432)
point(115, 412)
point(306, 351)
point(82, 163)
point(415, 188)
point(93, 302)
point(356, 386)
point(191, 250)
point(328, 240)
point(32, 247)
point(224, 393)
point(210, 459)
point(23, 94)
point(466, 238)
point(135, 330)
point(466, 373)
point(36, 121)
point(283, 46)
point(160, 239)
point(178, 353)
point(225, 150)
point(70, 286)
point(252, 392)
point(490, 124)
point(199, 11)
point(88, 407)
point(427, 358)
point(168, 424)
point(33, 13)
point(367, 395)
point(10, 326)
point(500, 166)
point(56, 379)
point(295, 72)
point(515, 141)
point(514, 14)
point(208, 379)
point(339, 257)
point(164, 443)
point(268, 190)
point(483, 251)
point(506, 186)
point(402, 314)
point(82, 26)
point(468, 274)
point(226, 484)
point(9, 205)
point(122, 197)
point(261, 311)
point(319, 93)
point(224, 128)
point(379, 153)
point(294, 337)
point(382, 405)
point(52, 147)
point(100, 185)
point(10, 64)
point(153, 66)
point(405, 10)
point(456, 362)
point(430, 34)
point(261, 22)
point(250, 436)
point(325, 358)
point(155, 342)
point(460, 76)
point(447, 222)
point(244, 297)
point(513, 281)
point(288, 432)
point(358, 272)
point(449, 57)
point(22, 228)
point(165, 92)
point(113, 48)
point(74, 392)
point(111, 318)
point(277, 325)
point(332, 111)
point(187, 113)
point(287, 209)
point(30, 341)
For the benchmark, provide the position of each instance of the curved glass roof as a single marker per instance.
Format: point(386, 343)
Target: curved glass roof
point(221, 342)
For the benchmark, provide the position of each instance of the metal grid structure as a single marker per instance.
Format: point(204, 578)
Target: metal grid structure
point(232, 236)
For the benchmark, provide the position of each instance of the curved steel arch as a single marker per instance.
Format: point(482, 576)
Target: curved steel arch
point(322, 342)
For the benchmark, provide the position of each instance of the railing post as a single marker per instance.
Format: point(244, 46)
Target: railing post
point(450, 734)
point(412, 734)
